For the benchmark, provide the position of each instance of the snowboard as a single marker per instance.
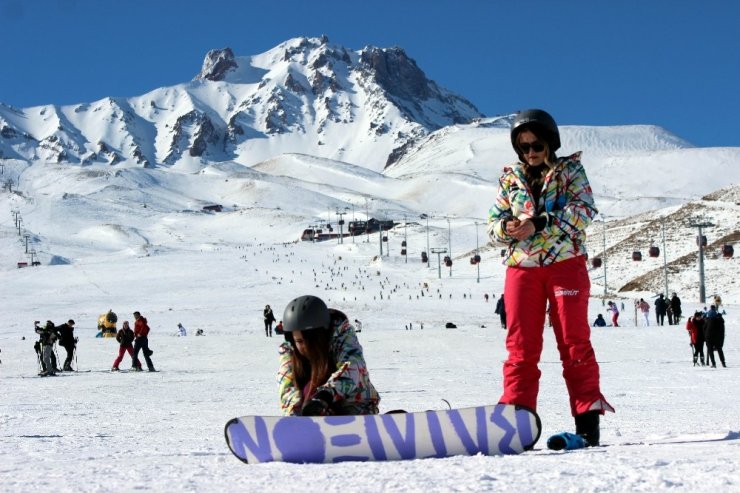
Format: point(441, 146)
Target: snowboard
point(490, 430)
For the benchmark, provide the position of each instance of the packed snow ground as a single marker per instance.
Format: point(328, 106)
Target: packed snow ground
point(677, 426)
point(128, 239)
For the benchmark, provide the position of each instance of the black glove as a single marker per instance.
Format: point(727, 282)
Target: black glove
point(318, 405)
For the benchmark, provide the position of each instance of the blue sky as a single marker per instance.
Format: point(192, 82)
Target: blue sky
point(675, 64)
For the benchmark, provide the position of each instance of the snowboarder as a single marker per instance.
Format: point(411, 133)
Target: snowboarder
point(141, 343)
point(714, 335)
point(322, 368)
point(599, 322)
point(181, 331)
point(695, 328)
point(541, 211)
point(125, 338)
point(47, 337)
point(68, 341)
point(269, 318)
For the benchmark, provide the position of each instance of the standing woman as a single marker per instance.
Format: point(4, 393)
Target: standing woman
point(322, 368)
point(125, 338)
point(543, 206)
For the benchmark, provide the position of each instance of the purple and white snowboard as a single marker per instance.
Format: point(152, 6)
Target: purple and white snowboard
point(489, 430)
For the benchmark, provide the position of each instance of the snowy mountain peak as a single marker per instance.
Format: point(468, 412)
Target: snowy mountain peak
point(303, 96)
point(216, 64)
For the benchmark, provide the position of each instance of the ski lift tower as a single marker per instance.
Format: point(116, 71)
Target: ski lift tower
point(341, 224)
point(477, 251)
point(701, 241)
point(426, 216)
point(439, 251)
point(449, 240)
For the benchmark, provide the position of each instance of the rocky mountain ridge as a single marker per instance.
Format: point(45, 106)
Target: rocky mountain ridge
point(305, 95)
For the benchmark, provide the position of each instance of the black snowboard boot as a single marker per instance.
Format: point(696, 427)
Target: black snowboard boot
point(587, 425)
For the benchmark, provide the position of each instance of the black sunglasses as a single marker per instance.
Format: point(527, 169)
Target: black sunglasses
point(536, 146)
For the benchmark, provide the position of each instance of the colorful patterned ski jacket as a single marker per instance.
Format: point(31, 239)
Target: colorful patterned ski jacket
point(565, 209)
point(350, 383)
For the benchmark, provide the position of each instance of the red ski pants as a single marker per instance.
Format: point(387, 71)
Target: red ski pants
point(566, 286)
point(123, 350)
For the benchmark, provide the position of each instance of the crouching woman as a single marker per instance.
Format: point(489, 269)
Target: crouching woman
point(322, 368)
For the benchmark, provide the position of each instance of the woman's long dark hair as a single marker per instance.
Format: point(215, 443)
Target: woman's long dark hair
point(315, 367)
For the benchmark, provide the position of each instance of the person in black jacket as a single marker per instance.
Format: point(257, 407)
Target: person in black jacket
point(660, 309)
point(501, 311)
point(47, 337)
point(675, 303)
point(714, 336)
point(68, 341)
point(269, 319)
point(125, 338)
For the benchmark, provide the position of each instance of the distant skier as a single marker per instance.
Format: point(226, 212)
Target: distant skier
point(68, 341)
point(47, 337)
point(714, 335)
point(181, 331)
point(125, 338)
point(322, 368)
point(695, 328)
point(675, 303)
point(644, 307)
point(612, 307)
point(660, 309)
point(269, 318)
point(501, 311)
point(141, 342)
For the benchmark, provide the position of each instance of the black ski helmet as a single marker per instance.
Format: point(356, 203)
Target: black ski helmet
point(545, 127)
point(306, 313)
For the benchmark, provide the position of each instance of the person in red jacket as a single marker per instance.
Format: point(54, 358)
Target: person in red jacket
point(695, 328)
point(141, 343)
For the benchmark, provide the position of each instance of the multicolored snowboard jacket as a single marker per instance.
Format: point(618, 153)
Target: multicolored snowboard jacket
point(350, 383)
point(566, 204)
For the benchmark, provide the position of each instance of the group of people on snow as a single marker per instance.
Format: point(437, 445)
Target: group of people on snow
point(50, 334)
point(670, 308)
point(667, 307)
point(133, 342)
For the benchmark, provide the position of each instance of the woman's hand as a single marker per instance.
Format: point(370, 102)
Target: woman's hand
point(520, 230)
